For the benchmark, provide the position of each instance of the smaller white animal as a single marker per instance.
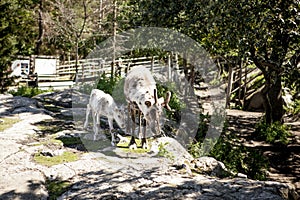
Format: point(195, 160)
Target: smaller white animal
point(102, 104)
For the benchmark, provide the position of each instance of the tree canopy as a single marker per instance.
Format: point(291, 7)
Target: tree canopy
point(266, 33)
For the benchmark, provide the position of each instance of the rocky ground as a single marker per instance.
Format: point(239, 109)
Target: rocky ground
point(165, 172)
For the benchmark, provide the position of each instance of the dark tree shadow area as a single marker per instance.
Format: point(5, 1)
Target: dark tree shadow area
point(34, 192)
point(284, 160)
point(119, 185)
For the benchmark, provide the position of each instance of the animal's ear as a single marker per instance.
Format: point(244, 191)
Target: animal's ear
point(148, 103)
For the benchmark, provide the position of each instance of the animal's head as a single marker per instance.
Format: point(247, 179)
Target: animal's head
point(154, 111)
point(120, 117)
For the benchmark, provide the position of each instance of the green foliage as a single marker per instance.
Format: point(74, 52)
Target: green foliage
point(294, 108)
point(25, 91)
point(56, 188)
point(238, 158)
point(16, 35)
point(163, 152)
point(107, 84)
point(175, 103)
point(272, 133)
point(202, 127)
point(86, 88)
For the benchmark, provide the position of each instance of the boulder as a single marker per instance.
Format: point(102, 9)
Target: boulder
point(171, 148)
point(255, 102)
point(210, 166)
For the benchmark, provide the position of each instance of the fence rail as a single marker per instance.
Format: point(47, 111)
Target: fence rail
point(240, 84)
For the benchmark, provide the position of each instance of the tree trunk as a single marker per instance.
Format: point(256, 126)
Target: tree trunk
point(39, 42)
point(273, 101)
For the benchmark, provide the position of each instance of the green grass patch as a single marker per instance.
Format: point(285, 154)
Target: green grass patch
point(55, 160)
point(56, 188)
point(7, 123)
point(26, 91)
point(125, 146)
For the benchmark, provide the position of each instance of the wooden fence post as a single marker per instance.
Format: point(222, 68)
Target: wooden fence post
point(169, 67)
point(229, 87)
point(152, 64)
point(245, 84)
point(112, 70)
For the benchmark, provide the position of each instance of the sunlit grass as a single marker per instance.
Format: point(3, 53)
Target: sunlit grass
point(125, 146)
point(55, 160)
point(7, 122)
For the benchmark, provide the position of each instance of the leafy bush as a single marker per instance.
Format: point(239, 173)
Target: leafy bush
point(26, 91)
point(107, 84)
point(238, 158)
point(86, 88)
point(273, 133)
point(295, 108)
point(175, 103)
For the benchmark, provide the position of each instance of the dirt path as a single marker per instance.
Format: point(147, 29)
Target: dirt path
point(284, 161)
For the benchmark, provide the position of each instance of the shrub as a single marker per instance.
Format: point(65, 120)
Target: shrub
point(272, 133)
point(107, 84)
point(239, 158)
point(175, 103)
point(26, 91)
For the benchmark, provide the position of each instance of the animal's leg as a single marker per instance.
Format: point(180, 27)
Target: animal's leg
point(140, 124)
point(97, 125)
point(111, 127)
point(128, 119)
point(132, 143)
point(144, 140)
point(88, 110)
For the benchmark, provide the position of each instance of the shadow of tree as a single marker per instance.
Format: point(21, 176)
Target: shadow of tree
point(34, 191)
point(150, 184)
point(284, 160)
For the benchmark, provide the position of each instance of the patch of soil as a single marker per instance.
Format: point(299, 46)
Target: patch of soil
point(284, 160)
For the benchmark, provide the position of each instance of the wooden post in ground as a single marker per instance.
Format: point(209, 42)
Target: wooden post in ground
point(245, 84)
point(152, 64)
point(169, 67)
point(240, 84)
point(229, 86)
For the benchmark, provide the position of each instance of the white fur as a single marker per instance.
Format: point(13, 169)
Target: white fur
point(139, 90)
point(102, 104)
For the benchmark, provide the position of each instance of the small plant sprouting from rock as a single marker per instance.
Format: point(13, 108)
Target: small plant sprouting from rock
point(163, 152)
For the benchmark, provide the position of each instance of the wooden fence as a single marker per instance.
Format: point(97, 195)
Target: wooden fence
point(89, 69)
point(241, 83)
